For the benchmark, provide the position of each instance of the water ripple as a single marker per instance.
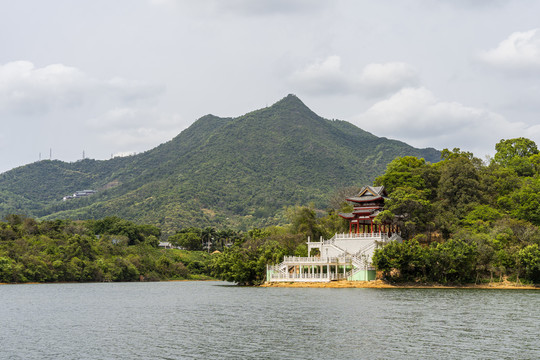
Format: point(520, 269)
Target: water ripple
point(194, 320)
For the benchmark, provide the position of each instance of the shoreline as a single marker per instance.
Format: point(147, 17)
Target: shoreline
point(380, 284)
point(103, 282)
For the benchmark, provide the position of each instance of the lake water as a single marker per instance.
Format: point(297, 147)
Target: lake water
point(215, 320)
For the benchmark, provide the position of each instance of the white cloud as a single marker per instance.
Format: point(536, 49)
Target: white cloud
point(28, 90)
point(129, 127)
point(25, 89)
point(519, 52)
point(139, 137)
point(265, 7)
point(161, 2)
point(323, 77)
point(250, 7)
point(64, 108)
point(380, 79)
point(416, 116)
point(376, 79)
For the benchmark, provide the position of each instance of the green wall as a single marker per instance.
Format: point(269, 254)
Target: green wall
point(363, 275)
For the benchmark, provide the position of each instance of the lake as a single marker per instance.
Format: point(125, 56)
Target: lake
point(215, 320)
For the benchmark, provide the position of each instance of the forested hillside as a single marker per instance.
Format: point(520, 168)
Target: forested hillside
point(226, 172)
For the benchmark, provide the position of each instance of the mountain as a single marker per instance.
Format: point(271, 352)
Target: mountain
point(237, 172)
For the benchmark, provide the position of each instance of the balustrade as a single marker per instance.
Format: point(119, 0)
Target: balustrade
point(309, 276)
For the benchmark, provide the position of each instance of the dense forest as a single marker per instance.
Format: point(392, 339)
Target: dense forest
point(111, 249)
point(463, 220)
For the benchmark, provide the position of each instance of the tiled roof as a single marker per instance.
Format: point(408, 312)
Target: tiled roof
point(365, 198)
point(369, 193)
point(346, 215)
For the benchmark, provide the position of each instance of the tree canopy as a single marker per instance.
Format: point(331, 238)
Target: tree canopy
point(482, 220)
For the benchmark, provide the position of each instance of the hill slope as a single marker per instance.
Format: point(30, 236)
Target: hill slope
point(220, 171)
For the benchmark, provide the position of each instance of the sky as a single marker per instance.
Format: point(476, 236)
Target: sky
point(101, 78)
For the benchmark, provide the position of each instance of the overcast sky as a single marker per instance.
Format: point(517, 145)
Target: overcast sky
point(116, 77)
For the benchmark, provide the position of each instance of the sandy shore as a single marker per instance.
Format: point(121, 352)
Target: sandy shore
point(379, 284)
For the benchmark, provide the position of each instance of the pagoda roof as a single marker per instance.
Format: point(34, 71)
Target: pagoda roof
point(363, 211)
point(346, 215)
point(370, 193)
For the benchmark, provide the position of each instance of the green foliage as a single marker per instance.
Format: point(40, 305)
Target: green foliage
point(452, 261)
point(63, 250)
point(245, 262)
point(524, 201)
point(510, 150)
point(529, 260)
point(403, 171)
point(482, 215)
point(459, 184)
point(485, 218)
point(304, 221)
point(220, 172)
point(402, 261)
point(414, 210)
point(208, 239)
point(188, 238)
point(135, 233)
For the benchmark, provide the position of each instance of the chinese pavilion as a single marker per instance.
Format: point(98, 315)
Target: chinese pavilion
point(367, 205)
point(344, 256)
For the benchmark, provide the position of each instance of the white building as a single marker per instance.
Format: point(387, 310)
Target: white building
point(345, 256)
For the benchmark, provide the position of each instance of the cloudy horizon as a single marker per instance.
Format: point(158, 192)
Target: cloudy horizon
point(115, 78)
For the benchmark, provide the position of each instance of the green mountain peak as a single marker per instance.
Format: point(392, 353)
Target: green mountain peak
point(236, 172)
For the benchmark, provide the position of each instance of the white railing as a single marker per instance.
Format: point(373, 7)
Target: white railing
point(368, 235)
point(308, 276)
point(317, 260)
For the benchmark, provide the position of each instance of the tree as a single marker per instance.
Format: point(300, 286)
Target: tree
point(456, 153)
point(529, 260)
point(508, 150)
point(189, 239)
point(208, 234)
point(245, 264)
point(407, 261)
point(482, 215)
point(6, 269)
point(114, 225)
point(403, 171)
point(453, 261)
point(459, 185)
point(412, 209)
point(524, 201)
point(304, 220)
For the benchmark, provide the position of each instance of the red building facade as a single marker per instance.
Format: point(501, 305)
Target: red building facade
point(368, 203)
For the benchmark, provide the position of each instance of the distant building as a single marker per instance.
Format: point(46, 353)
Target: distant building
point(345, 256)
point(84, 193)
point(165, 245)
point(78, 194)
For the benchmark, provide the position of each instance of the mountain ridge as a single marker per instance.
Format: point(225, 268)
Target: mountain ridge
point(236, 172)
